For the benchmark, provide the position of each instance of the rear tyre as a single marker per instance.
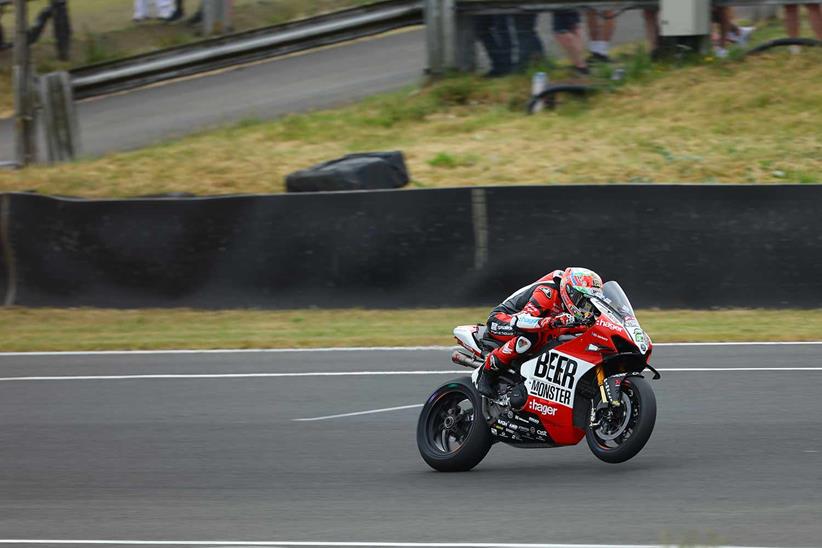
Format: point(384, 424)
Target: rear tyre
point(623, 435)
point(452, 433)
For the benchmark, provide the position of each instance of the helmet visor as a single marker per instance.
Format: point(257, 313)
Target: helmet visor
point(580, 300)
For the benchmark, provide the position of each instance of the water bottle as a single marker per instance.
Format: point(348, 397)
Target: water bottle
point(539, 83)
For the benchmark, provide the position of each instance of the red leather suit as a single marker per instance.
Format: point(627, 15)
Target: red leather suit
point(540, 299)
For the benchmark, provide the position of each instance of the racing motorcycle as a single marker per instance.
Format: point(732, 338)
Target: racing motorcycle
point(588, 385)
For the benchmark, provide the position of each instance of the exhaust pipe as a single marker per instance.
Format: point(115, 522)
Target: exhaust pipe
point(459, 357)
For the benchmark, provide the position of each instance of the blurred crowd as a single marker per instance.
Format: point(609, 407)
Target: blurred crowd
point(164, 10)
point(512, 41)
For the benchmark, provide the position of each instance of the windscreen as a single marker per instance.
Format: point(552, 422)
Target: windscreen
point(617, 301)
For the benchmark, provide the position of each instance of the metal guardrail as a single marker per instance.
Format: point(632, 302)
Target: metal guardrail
point(235, 49)
point(442, 18)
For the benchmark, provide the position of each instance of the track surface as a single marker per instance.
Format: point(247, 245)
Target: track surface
point(736, 457)
point(317, 79)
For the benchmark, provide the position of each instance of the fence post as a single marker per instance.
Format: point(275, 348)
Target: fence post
point(217, 16)
point(26, 151)
point(450, 49)
point(59, 117)
point(433, 36)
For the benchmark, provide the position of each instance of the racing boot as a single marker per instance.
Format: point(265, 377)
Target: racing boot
point(497, 360)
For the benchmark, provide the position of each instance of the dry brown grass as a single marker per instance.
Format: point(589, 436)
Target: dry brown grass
point(92, 329)
point(728, 122)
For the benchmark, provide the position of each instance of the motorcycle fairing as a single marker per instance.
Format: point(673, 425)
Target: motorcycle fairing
point(551, 379)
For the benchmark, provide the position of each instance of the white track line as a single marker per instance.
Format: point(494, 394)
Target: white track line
point(335, 544)
point(369, 412)
point(350, 349)
point(232, 375)
point(195, 376)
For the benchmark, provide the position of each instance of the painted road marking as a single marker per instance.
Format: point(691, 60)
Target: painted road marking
point(195, 376)
point(352, 349)
point(238, 544)
point(369, 412)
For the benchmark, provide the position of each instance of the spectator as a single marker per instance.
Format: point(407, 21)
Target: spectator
point(601, 26)
point(164, 9)
point(651, 16)
point(529, 46)
point(792, 20)
point(494, 32)
point(568, 34)
point(728, 31)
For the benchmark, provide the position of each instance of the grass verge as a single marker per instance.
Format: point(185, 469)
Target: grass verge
point(93, 329)
point(725, 121)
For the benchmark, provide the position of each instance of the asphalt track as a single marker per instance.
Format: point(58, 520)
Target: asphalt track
point(314, 80)
point(736, 456)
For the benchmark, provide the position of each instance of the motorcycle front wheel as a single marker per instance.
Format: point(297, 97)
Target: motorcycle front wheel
point(623, 431)
point(452, 433)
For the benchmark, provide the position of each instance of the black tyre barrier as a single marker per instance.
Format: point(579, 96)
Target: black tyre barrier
point(670, 246)
point(782, 42)
point(548, 97)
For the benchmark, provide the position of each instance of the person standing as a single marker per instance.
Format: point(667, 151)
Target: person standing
point(792, 19)
point(601, 26)
point(529, 45)
point(494, 33)
point(568, 34)
point(651, 17)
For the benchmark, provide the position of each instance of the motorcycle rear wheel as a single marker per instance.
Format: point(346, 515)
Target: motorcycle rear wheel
point(452, 433)
point(622, 439)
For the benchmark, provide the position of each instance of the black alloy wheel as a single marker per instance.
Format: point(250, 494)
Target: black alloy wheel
point(452, 433)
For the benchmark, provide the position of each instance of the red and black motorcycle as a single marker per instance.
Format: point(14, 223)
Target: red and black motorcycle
point(588, 386)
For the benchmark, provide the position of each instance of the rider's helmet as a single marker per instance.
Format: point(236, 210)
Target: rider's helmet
point(576, 288)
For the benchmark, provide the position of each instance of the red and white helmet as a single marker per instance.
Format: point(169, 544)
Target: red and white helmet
point(576, 288)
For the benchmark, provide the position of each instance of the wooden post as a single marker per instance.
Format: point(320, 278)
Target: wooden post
point(59, 117)
point(23, 97)
point(209, 16)
point(448, 14)
point(433, 36)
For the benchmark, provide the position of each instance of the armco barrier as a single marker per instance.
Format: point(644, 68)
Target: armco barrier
point(670, 246)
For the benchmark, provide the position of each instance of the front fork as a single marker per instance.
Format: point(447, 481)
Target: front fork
point(609, 393)
point(608, 388)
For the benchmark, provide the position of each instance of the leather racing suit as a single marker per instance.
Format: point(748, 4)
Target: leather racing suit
point(528, 320)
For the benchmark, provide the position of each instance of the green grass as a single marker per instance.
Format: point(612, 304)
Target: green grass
point(751, 121)
point(93, 329)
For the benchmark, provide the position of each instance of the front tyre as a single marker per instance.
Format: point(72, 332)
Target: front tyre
point(622, 432)
point(452, 433)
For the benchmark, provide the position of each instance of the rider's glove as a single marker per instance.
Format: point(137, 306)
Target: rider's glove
point(562, 320)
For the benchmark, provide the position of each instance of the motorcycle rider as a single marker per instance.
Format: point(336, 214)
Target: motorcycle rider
point(556, 304)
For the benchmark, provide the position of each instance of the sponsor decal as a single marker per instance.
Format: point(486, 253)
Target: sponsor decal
point(542, 409)
point(542, 433)
point(609, 325)
point(600, 337)
point(559, 372)
point(501, 328)
point(550, 392)
point(639, 336)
